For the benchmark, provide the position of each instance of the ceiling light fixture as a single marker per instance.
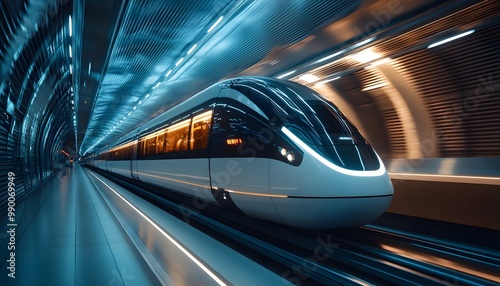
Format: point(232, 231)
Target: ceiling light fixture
point(192, 49)
point(286, 74)
point(330, 56)
point(328, 80)
point(215, 24)
point(362, 43)
point(179, 61)
point(451, 39)
point(70, 27)
point(374, 86)
point(309, 78)
point(379, 62)
point(365, 56)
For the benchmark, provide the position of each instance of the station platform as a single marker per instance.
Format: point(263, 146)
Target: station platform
point(67, 235)
point(80, 228)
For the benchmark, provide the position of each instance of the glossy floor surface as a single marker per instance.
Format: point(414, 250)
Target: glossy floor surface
point(67, 235)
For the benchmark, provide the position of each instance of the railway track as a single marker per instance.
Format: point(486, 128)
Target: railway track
point(367, 255)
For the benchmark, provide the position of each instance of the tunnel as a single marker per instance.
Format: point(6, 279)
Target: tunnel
point(249, 142)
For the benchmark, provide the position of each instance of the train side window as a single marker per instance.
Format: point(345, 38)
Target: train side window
point(151, 145)
point(142, 147)
point(160, 143)
point(177, 136)
point(238, 131)
point(200, 130)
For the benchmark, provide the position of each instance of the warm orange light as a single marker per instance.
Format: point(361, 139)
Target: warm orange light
point(203, 116)
point(257, 194)
point(234, 141)
point(122, 146)
point(412, 254)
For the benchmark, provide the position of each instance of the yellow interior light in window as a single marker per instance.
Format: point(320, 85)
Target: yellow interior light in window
point(234, 141)
point(177, 126)
point(203, 116)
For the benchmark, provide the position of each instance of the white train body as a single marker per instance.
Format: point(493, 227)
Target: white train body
point(271, 149)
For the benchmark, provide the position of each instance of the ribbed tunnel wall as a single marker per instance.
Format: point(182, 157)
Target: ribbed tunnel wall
point(460, 86)
point(34, 94)
point(457, 85)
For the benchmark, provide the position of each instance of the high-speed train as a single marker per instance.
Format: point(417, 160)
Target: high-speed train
point(271, 149)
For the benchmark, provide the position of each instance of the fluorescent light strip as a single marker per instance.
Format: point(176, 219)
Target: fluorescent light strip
point(305, 147)
point(330, 56)
point(328, 80)
point(192, 49)
point(70, 52)
point(70, 26)
point(362, 43)
point(309, 78)
point(451, 39)
point(215, 24)
point(179, 61)
point(379, 62)
point(286, 74)
point(375, 86)
point(177, 244)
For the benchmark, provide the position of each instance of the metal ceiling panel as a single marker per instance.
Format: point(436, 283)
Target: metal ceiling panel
point(164, 53)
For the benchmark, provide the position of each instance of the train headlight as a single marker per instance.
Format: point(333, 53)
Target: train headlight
point(283, 151)
point(287, 154)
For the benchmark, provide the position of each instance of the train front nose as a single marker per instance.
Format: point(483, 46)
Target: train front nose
point(322, 195)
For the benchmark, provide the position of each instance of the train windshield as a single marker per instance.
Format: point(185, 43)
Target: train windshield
point(315, 121)
point(323, 125)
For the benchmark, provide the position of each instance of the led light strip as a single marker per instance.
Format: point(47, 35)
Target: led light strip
point(178, 245)
point(173, 180)
point(310, 151)
point(257, 194)
point(451, 39)
point(447, 178)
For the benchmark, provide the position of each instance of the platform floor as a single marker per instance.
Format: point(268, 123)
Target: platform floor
point(67, 235)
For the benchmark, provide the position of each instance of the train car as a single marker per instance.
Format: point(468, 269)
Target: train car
point(271, 149)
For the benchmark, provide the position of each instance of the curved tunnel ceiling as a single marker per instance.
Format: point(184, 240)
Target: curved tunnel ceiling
point(88, 72)
point(164, 52)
